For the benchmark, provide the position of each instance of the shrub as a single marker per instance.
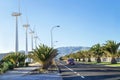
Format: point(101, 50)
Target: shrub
point(43, 55)
point(15, 58)
point(11, 65)
point(5, 66)
point(21, 64)
point(26, 64)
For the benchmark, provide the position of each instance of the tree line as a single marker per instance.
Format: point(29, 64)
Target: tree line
point(109, 49)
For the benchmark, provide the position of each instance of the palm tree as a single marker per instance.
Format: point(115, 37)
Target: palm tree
point(12, 57)
point(73, 55)
point(89, 55)
point(82, 55)
point(21, 59)
point(77, 55)
point(97, 51)
point(44, 55)
point(15, 58)
point(111, 47)
point(64, 57)
point(118, 55)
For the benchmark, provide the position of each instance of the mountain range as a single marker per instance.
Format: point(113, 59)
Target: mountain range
point(67, 50)
point(61, 51)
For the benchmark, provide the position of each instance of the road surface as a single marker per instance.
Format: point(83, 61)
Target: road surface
point(81, 71)
point(24, 73)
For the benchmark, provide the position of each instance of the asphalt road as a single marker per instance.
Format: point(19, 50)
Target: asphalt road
point(81, 71)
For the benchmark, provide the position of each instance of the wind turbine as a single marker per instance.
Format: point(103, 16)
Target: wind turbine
point(32, 34)
point(26, 49)
point(36, 37)
point(16, 15)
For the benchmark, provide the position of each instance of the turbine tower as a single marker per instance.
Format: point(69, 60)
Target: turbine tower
point(26, 49)
point(16, 15)
point(32, 34)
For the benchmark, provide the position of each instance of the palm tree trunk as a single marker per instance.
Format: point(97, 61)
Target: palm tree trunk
point(45, 65)
point(98, 60)
point(113, 60)
point(89, 59)
point(79, 59)
point(83, 59)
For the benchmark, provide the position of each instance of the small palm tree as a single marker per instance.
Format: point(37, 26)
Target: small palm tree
point(15, 58)
point(12, 57)
point(111, 47)
point(77, 56)
point(89, 55)
point(118, 53)
point(97, 51)
point(44, 55)
point(21, 59)
point(82, 55)
point(64, 57)
point(73, 55)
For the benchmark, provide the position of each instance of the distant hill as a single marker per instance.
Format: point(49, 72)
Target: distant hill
point(2, 55)
point(61, 50)
point(67, 50)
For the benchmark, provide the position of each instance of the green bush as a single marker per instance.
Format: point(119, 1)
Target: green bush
point(26, 64)
point(1, 71)
point(5, 66)
point(15, 58)
point(21, 64)
point(11, 65)
point(1, 64)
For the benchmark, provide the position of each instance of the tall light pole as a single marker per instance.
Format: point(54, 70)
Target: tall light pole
point(51, 32)
point(26, 50)
point(16, 14)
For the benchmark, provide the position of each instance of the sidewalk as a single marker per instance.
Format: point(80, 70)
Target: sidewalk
point(24, 74)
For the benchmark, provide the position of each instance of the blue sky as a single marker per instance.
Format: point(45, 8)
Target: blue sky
point(83, 22)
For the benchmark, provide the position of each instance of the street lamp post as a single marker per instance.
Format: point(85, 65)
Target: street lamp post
point(51, 31)
point(26, 50)
point(16, 14)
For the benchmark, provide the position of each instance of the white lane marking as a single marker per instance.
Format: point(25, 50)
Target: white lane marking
point(75, 72)
point(72, 70)
point(82, 77)
point(68, 68)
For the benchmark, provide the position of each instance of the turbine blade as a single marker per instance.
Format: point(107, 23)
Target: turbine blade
point(19, 6)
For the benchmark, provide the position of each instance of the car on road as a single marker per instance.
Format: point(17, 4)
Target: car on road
point(71, 61)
